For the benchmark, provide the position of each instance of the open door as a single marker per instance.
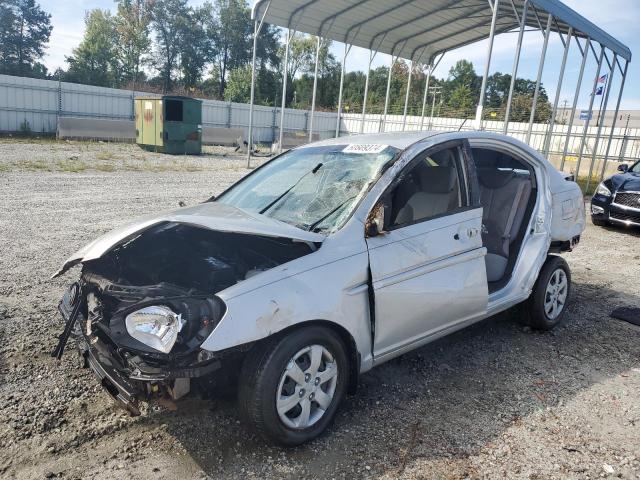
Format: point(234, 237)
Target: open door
point(427, 265)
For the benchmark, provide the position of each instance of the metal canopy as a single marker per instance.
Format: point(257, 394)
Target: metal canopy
point(420, 29)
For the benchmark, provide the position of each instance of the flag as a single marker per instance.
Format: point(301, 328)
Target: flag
point(602, 79)
point(599, 90)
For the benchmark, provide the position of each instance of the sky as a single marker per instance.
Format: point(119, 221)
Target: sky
point(620, 18)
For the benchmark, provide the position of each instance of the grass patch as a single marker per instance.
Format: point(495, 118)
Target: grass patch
point(71, 165)
point(105, 155)
point(105, 167)
point(593, 184)
point(34, 165)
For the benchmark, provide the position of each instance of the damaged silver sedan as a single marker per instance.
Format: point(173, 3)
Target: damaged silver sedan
point(326, 261)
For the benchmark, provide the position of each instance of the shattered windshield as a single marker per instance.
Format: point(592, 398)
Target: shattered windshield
point(314, 188)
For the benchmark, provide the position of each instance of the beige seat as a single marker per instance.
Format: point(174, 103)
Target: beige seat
point(504, 195)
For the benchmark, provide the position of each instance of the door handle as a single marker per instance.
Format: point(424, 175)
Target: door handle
point(456, 237)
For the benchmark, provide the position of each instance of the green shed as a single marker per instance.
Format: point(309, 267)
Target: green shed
point(170, 124)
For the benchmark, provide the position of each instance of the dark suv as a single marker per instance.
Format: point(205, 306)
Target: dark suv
point(617, 199)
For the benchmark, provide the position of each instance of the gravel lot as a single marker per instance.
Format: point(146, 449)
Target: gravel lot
point(495, 400)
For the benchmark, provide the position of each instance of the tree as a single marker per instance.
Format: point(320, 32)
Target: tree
point(94, 61)
point(132, 29)
point(304, 61)
point(462, 89)
point(462, 101)
point(24, 32)
point(231, 30)
point(238, 87)
point(169, 19)
point(195, 45)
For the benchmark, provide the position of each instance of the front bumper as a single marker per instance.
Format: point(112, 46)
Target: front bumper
point(606, 209)
point(124, 391)
point(128, 379)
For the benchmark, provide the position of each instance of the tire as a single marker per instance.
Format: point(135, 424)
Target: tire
point(265, 376)
point(547, 305)
point(599, 222)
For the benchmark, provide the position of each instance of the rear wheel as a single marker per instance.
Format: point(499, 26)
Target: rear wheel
point(547, 304)
point(291, 386)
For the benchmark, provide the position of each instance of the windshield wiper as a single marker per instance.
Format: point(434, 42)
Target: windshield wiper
point(324, 217)
point(315, 169)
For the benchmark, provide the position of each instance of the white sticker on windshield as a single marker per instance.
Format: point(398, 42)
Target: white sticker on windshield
point(365, 148)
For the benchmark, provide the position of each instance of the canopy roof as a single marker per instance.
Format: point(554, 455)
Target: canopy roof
point(420, 29)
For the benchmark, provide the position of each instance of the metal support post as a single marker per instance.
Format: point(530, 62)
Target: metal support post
point(256, 31)
point(536, 93)
point(583, 140)
point(554, 110)
point(485, 77)
point(604, 109)
point(315, 88)
point(585, 54)
point(615, 119)
point(366, 90)
point(516, 61)
point(406, 96)
point(386, 97)
point(426, 90)
point(285, 75)
point(433, 107)
point(347, 49)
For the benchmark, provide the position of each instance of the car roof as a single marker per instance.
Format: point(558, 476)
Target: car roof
point(400, 140)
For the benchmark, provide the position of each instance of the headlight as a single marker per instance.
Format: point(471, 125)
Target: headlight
point(155, 326)
point(602, 190)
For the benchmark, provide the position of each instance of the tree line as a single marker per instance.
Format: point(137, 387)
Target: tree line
point(169, 46)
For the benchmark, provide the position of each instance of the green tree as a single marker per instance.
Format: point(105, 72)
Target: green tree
point(462, 89)
point(24, 32)
point(462, 101)
point(231, 31)
point(132, 29)
point(94, 61)
point(195, 46)
point(170, 20)
point(238, 87)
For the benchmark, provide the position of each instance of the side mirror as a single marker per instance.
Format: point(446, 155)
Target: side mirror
point(623, 167)
point(375, 221)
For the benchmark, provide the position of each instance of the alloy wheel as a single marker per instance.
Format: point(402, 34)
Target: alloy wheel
point(556, 294)
point(306, 387)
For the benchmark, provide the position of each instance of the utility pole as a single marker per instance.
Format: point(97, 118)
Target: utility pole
point(564, 111)
point(435, 90)
point(625, 139)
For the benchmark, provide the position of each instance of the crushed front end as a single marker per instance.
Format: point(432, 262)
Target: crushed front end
point(111, 316)
point(141, 312)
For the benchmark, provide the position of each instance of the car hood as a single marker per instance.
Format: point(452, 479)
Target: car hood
point(211, 215)
point(626, 182)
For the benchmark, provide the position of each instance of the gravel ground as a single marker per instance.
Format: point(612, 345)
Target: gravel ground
point(495, 400)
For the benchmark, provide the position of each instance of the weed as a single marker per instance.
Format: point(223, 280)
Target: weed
point(105, 155)
point(71, 165)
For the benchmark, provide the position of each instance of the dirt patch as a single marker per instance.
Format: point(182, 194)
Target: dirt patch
point(495, 400)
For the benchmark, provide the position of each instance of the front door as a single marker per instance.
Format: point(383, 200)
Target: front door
point(428, 267)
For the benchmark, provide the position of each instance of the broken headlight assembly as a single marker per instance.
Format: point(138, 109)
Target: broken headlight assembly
point(156, 326)
point(164, 327)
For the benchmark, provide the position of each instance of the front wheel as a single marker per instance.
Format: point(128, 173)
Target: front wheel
point(291, 386)
point(547, 304)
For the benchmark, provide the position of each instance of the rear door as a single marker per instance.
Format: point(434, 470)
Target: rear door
point(428, 268)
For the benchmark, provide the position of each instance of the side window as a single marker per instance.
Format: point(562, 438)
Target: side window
point(430, 187)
